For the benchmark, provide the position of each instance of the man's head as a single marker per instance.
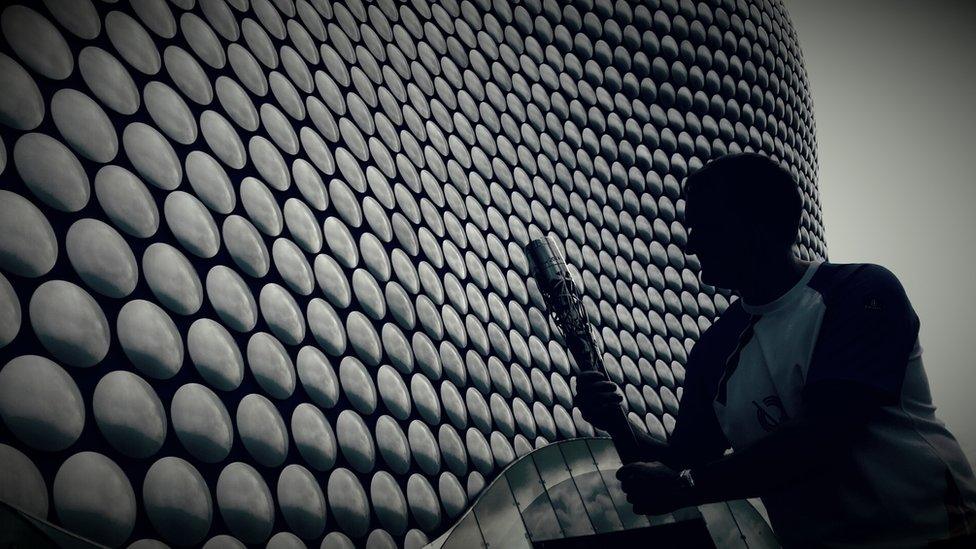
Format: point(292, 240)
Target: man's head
point(741, 210)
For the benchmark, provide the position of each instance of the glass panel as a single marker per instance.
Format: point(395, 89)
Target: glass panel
point(499, 518)
point(466, 535)
point(596, 499)
point(752, 525)
point(687, 513)
point(608, 462)
point(721, 525)
point(565, 497)
point(533, 501)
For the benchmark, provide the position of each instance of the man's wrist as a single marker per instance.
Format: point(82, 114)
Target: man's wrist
point(690, 487)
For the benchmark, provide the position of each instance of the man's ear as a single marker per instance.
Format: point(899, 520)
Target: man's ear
point(759, 240)
point(765, 237)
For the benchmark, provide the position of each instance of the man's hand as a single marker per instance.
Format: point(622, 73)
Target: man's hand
point(597, 398)
point(654, 488)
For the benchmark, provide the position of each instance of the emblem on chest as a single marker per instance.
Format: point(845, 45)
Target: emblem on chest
point(770, 412)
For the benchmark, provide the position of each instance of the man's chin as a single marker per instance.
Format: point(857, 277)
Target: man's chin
point(708, 276)
point(705, 273)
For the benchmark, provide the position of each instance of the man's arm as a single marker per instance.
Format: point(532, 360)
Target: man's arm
point(653, 449)
point(598, 399)
point(858, 366)
point(697, 437)
point(811, 444)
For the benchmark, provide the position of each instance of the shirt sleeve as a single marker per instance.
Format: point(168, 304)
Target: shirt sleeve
point(697, 436)
point(867, 334)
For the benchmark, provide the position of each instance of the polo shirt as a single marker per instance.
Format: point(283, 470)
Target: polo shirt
point(906, 480)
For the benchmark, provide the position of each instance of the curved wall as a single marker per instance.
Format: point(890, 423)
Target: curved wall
point(261, 262)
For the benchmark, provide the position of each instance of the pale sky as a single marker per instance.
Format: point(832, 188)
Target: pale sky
point(894, 93)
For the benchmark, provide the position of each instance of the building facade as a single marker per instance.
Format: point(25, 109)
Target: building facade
point(262, 270)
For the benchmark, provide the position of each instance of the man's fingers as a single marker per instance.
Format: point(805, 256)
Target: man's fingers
point(636, 498)
point(597, 392)
point(602, 399)
point(598, 398)
point(627, 471)
point(649, 510)
point(597, 387)
point(592, 380)
point(590, 376)
point(653, 509)
point(628, 485)
point(646, 491)
point(605, 407)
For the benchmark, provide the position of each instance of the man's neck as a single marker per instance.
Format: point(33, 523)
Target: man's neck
point(771, 279)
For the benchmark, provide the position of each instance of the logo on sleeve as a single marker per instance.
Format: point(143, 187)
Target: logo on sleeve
point(872, 303)
point(770, 413)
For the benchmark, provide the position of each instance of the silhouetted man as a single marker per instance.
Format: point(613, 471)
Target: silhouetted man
point(813, 378)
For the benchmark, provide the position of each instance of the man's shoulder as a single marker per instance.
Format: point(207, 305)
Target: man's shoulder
point(838, 283)
point(844, 281)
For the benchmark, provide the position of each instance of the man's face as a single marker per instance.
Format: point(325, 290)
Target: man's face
point(718, 238)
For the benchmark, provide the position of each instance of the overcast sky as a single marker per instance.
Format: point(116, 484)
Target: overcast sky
point(893, 85)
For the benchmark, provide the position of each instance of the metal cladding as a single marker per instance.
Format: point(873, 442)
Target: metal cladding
point(262, 262)
point(567, 489)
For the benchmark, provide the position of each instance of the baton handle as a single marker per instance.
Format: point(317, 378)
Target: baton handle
point(564, 302)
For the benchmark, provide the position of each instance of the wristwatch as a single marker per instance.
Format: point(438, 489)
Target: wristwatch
point(687, 480)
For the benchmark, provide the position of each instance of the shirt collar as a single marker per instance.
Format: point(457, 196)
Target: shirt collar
point(788, 296)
